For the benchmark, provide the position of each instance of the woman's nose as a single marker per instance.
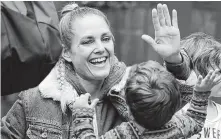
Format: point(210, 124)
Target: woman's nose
point(99, 47)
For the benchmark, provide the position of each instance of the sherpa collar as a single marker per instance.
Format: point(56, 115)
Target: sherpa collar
point(50, 87)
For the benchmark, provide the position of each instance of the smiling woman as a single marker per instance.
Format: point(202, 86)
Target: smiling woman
point(91, 48)
point(87, 65)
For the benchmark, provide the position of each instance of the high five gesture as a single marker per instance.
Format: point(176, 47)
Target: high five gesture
point(167, 34)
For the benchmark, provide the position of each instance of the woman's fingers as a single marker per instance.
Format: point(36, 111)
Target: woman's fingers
point(160, 14)
point(166, 15)
point(174, 19)
point(155, 20)
point(161, 17)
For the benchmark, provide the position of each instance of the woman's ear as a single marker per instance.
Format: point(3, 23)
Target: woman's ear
point(66, 54)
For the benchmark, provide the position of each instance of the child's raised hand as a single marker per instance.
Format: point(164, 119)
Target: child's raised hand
point(206, 84)
point(167, 34)
point(83, 102)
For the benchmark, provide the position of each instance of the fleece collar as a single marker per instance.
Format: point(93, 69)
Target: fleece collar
point(49, 88)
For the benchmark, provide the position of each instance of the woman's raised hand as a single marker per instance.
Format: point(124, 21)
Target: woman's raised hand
point(207, 83)
point(167, 34)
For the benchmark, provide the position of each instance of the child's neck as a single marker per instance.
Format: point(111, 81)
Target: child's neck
point(212, 112)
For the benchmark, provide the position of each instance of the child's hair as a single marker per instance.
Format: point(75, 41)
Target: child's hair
point(204, 51)
point(152, 94)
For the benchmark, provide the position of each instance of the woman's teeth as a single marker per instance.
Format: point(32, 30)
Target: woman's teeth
point(98, 60)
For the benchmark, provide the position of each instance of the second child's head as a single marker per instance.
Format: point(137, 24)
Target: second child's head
point(152, 94)
point(205, 53)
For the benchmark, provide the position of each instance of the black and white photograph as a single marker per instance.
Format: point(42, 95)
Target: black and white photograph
point(110, 70)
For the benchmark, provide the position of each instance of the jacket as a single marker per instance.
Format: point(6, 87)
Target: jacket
point(38, 113)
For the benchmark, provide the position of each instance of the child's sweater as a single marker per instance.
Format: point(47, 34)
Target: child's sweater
point(212, 127)
point(181, 125)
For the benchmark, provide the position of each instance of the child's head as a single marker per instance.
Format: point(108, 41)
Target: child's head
point(209, 59)
point(205, 53)
point(152, 94)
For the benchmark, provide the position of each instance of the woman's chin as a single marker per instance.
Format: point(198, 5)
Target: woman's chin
point(101, 71)
point(101, 75)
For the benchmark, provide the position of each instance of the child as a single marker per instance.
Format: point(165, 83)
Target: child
point(212, 126)
point(200, 53)
point(152, 94)
point(205, 53)
point(192, 47)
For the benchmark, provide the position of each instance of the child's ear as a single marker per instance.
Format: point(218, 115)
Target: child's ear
point(66, 54)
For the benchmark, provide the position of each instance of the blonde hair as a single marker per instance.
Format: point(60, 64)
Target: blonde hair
point(69, 13)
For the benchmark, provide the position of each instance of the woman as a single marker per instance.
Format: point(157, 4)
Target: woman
point(88, 65)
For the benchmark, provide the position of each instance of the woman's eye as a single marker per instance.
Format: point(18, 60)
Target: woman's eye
point(106, 39)
point(87, 42)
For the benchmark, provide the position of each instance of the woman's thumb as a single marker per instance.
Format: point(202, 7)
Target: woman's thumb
point(149, 40)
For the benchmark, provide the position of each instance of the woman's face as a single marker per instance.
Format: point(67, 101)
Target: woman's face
point(92, 46)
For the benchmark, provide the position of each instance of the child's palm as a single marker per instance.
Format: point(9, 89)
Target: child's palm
point(207, 83)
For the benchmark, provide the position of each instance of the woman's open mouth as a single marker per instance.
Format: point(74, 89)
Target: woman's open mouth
point(98, 61)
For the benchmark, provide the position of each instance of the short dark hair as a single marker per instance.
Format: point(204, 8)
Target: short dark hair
point(152, 94)
point(204, 51)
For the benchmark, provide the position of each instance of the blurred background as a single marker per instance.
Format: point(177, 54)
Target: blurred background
point(129, 21)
